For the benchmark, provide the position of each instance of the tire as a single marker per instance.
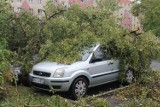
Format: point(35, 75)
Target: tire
point(25, 80)
point(129, 76)
point(79, 88)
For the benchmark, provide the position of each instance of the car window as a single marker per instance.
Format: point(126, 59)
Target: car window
point(107, 55)
point(86, 53)
point(98, 56)
point(85, 56)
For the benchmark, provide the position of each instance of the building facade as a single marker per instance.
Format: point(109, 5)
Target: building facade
point(36, 6)
point(128, 21)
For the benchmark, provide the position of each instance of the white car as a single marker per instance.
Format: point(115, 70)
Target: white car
point(94, 69)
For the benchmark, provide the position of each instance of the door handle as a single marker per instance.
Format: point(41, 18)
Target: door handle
point(110, 63)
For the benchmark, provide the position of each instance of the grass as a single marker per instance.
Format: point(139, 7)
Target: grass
point(22, 96)
point(137, 95)
point(143, 95)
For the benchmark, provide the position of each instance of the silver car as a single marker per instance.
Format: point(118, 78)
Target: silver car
point(93, 69)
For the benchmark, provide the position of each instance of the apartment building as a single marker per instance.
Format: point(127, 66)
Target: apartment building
point(128, 20)
point(33, 6)
point(36, 6)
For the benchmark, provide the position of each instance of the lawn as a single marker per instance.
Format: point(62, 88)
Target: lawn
point(136, 95)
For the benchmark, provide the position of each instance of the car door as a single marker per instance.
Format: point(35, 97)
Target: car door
point(102, 70)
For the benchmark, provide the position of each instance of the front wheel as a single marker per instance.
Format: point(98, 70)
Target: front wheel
point(129, 76)
point(79, 88)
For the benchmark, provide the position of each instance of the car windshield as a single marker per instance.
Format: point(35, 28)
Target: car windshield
point(86, 53)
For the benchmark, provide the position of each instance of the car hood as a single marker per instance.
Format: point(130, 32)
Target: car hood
point(77, 66)
point(77, 63)
point(48, 66)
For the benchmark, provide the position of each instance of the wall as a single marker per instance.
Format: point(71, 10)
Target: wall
point(35, 6)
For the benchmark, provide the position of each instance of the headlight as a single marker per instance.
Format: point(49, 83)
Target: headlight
point(59, 73)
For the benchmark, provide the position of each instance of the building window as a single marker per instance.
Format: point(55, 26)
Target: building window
point(129, 19)
point(69, 5)
point(62, 3)
point(84, 0)
point(30, 1)
point(18, 0)
point(31, 10)
point(39, 12)
point(12, 9)
point(54, 1)
point(39, 1)
point(18, 9)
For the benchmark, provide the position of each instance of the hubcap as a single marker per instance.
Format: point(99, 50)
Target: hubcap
point(129, 76)
point(80, 89)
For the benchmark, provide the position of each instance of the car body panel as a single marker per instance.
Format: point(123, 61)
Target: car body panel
point(95, 68)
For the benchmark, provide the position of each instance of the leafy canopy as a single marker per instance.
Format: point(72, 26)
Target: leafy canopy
point(75, 28)
point(148, 11)
point(63, 33)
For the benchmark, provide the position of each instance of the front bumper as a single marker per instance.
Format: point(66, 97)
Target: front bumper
point(49, 83)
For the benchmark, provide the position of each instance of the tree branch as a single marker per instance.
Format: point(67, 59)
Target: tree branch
point(55, 14)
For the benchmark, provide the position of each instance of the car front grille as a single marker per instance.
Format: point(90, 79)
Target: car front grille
point(42, 86)
point(43, 74)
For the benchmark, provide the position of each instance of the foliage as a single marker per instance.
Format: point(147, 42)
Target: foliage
point(21, 34)
point(93, 102)
point(5, 17)
point(99, 102)
point(75, 29)
point(135, 95)
point(25, 41)
point(135, 52)
point(134, 91)
point(142, 95)
point(141, 103)
point(6, 57)
point(24, 96)
point(64, 33)
point(148, 12)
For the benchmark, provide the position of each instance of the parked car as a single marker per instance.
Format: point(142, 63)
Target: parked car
point(16, 72)
point(93, 69)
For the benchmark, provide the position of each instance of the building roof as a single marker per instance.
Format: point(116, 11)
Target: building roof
point(25, 5)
